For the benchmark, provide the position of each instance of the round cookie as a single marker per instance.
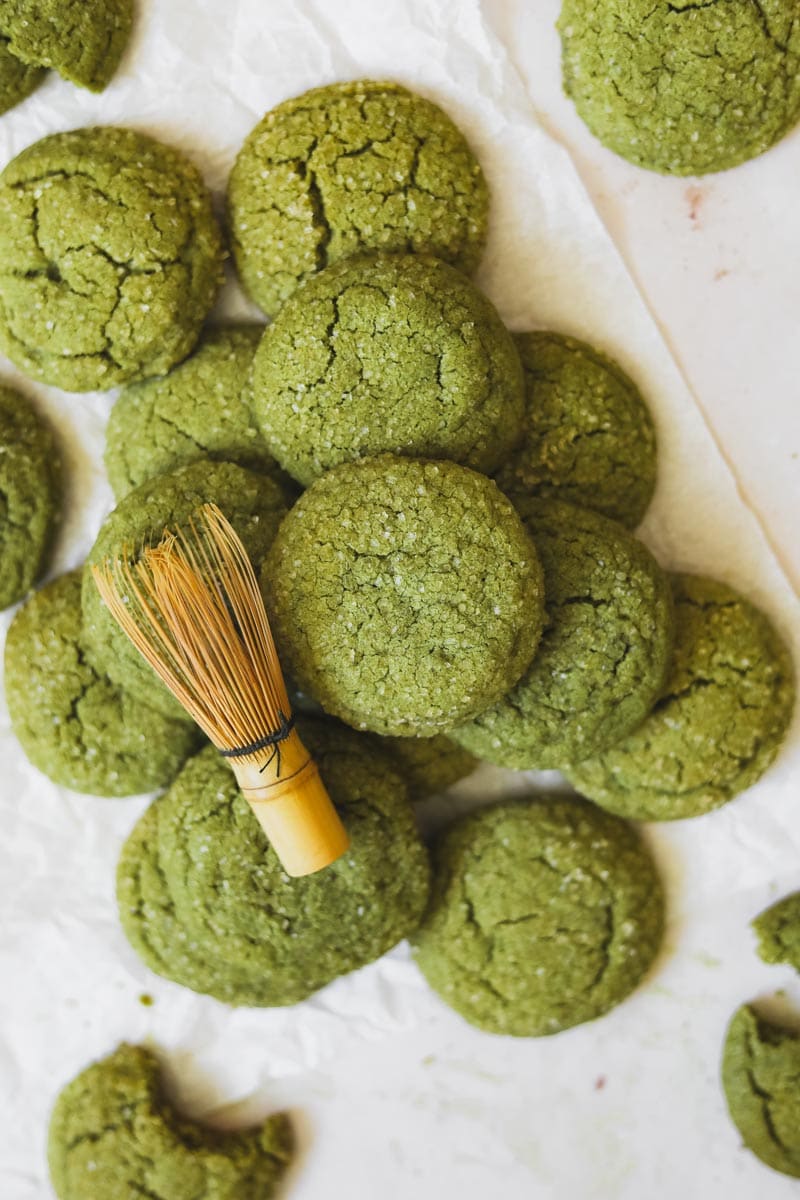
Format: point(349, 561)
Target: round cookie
point(76, 726)
point(110, 258)
point(681, 87)
point(83, 40)
point(17, 79)
point(428, 765)
point(404, 595)
point(544, 913)
point(254, 504)
point(114, 1134)
point(761, 1080)
point(778, 930)
point(200, 409)
point(718, 723)
point(392, 353)
point(205, 902)
point(30, 491)
point(349, 168)
point(605, 649)
point(589, 438)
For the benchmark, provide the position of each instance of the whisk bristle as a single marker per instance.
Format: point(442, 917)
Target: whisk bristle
point(192, 607)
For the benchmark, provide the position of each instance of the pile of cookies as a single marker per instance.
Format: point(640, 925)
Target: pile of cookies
point(440, 514)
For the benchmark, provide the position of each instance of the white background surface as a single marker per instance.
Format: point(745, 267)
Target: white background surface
point(395, 1096)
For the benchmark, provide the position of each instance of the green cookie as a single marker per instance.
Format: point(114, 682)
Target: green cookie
point(544, 913)
point(392, 353)
point(114, 1136)
point(428, 764)
point(17, 79)
point(679, 86)
point(205, 902)
point(200, 409)
point(761, 1078)
point(605, 649)
point(589, 438)
point(252, 503)
point(110, 258)
point(778, 930)
point(30, 493)
point(405, 596)
point(83, 40)
point(718, 723)
point(76, 726)
point(349, 168)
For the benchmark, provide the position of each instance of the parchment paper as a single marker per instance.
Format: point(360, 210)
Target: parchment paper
point(395, 1095)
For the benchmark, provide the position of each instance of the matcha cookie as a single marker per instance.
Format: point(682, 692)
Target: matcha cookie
point(718, 723)
point(252, 503)
point(681, 87)
point(605, 649)
point(349, 168)
point(544, 913)
point(205, 902)
point(115, 1136)
point(199, 410)
point(391, 353)
point(778, 930)
point(589, 438)
point(761, 1079)
point(83, 40)
point(428, 765)
point(30, 492)
point(110, 258)
point(17, 79)
point(76, 726)
point(404, 595)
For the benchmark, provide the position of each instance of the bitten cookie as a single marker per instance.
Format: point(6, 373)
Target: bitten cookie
point(205, 902)
point(30, 493)
point(83, 40)
point(604, 653)
point(76, 726)
point(761, 1079)
point(718, 722)
point(252, 503)
point(349, 168)
point(544, 913)
point(589, 437)
point(404, 595)
point(681, 87)
point(110, 258)
point(200, 409)
point(113, 1134)
point(393, 353)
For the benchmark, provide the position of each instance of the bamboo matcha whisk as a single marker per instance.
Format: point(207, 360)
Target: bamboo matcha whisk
point(192, 607)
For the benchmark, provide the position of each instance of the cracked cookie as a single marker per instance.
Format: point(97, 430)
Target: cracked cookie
point(199, 410)
point(17, 79)
point(110, 258)
point(76, 726)
point(349, 168)
point(778, 930)
point(544, 913)
point(682, 87)
point(254, 504)
point(205, 902)
point(404, 596)
point(393, 353)
point(428, 765)
point(589, 438)
point(83, 40)
point(114, 1134)
point(605, 649)
point(718, 723)
point(30, 491)
point(761, 1080)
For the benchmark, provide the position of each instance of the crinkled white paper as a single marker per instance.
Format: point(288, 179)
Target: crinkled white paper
point(394, 1095)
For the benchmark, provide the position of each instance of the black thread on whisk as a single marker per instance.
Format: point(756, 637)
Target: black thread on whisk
point(270, 740)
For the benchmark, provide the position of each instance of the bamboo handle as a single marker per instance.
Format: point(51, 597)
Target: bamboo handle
point(294, 809)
